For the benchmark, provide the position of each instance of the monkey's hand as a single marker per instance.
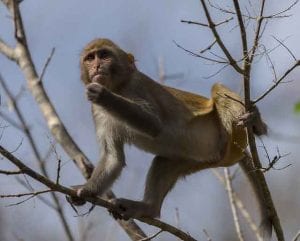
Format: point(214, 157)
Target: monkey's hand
point(253, 118)
point(95, 92)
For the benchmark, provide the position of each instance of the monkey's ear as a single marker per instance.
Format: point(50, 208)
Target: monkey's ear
point(131, 60)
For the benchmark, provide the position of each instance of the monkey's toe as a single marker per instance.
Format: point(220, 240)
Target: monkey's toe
point(77, 201)
point(81, 192)
point(125, 209)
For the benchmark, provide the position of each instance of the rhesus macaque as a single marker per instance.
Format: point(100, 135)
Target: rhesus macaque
point(186, 132)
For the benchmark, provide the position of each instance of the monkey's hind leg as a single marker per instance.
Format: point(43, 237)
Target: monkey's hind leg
point(161, 177)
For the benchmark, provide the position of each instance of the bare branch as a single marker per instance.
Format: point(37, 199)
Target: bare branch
point(227, 11)
point(274, 160)
point(96, 201)
point(217, 72)
point(41, 198)
point(10, 172)
point(282, 44)
point(25, 194)
point(241, 207)
point(297, 236)
point(46, 64)
point(279, 14)
point(37, 154)
point(55, 125)
point(242, 30)
point(7, 50)
point(212, 27)
point(206, 25)
point(207, 235)
point(278, 82)
point(233, 204)
point(258, 31)
point(200, 56)
point(208, 47)
point(271, 63)
point(152, 236)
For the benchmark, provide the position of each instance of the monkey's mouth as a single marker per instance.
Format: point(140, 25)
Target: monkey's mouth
point(99, 77)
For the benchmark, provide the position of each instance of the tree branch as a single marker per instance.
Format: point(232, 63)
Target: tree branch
point(233, 204)
point(96, 201)
point(58, 130)
point(212, 27)
point(277, 82)
point(7, 50)
point(272, 213)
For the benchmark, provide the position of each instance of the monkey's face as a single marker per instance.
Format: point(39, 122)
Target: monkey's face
point(100, 65)
point(105, 65)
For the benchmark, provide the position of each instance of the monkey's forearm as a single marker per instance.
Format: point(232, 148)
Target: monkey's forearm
point(130, 112)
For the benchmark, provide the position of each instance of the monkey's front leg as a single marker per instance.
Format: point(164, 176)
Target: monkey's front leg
point(126, 110)
point(104, 175)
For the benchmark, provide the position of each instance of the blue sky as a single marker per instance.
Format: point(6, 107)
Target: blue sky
point(147, 29)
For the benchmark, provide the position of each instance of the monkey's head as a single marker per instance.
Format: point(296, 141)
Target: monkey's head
point(103, 62)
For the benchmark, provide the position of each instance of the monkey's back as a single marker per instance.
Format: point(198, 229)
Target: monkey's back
point(229, 107)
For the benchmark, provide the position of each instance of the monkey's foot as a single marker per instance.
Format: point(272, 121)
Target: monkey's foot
point(246, 119)
point(253, 119)
point(125, 209)
point(81, 191)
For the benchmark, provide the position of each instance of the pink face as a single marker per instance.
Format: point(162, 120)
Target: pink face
point(100, 65)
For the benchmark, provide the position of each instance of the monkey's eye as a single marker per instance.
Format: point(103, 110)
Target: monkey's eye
point(89, 57)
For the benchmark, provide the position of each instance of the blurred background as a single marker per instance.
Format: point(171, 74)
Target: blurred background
point(147, 29)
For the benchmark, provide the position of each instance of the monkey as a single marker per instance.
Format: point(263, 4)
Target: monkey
point(186, 132)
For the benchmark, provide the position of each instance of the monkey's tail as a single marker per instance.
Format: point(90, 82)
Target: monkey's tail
point(265, 228)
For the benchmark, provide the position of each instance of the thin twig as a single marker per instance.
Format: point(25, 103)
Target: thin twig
point(281, 43)
point(297, 63)
point(200, 56)
point(208, 47)
point(207, 235)
point(297, 236)
point(152, 236)
point(278, 14)
point(258, 31)
point(41, 198)
point(46, 64)
point(244, 212)
point(10, 172)
point(273, 161)
point(233, 204)
point(212, 26)
point(206, 25)
point(24, 194)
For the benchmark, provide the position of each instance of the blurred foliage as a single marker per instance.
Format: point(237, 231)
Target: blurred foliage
point(297, 108)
